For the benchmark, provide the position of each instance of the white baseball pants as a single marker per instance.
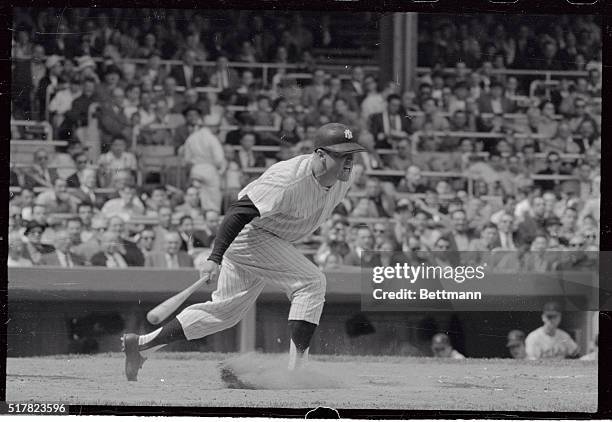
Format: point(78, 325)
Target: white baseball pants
point(255, 258)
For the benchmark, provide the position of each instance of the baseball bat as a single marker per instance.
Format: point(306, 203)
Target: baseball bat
point(168, 306)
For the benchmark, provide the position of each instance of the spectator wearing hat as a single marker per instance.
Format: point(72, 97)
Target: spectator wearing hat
point(40, 174)
point(390, 126)
point(441, 347)
point(516, 344)
point(87, 69)
point(34, 248)
point(16, 256)
point(62, 256)
point(549, 341)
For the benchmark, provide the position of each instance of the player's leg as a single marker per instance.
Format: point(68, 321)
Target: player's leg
point(236, 292)
point(305, 286)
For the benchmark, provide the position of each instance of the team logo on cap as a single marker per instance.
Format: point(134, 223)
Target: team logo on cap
point(348, 134)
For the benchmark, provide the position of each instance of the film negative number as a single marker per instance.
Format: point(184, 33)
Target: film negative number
point(34, 408)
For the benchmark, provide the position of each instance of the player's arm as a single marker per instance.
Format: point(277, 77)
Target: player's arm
point(237, 216)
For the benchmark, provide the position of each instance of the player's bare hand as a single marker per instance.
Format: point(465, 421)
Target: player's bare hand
point(212, 269)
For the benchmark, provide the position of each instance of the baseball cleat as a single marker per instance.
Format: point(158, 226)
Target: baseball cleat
point(133, 358)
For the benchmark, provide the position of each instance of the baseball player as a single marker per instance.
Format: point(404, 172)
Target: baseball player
point(516, 344)
point(549, 341)
point(442, 348)
point(253, 246)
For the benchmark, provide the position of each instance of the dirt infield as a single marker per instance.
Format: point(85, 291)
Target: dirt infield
point(192, 379)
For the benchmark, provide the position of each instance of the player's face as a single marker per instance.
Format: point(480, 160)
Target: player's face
point(340, 165)
point(551, 319)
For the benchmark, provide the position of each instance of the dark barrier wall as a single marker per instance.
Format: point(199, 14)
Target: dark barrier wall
point(58, 311)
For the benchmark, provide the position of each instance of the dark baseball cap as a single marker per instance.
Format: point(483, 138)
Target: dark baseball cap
point(552, 308)
point(515, 337)
point(33, 225)
point(338, 138)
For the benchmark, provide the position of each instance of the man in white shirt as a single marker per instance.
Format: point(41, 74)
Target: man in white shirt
point(117, 158)
point(204, 152)
point(442, 348)
point(549, 341)
point(126, 206)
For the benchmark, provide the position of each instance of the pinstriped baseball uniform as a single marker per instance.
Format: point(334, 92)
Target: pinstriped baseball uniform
point(291, 204)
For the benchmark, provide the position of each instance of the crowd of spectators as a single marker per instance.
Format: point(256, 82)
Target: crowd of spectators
point(468, 160)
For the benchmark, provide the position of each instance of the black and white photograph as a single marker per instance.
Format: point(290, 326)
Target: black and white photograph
point(299, 209)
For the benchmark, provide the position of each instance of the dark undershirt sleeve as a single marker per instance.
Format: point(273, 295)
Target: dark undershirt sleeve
point(237, 216)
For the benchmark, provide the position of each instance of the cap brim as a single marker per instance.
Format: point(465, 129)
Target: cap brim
point(345, 148)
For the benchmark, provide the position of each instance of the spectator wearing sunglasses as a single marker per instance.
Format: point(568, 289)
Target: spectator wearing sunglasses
point(76, 179)
point(146, 242)
point(549, 341)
